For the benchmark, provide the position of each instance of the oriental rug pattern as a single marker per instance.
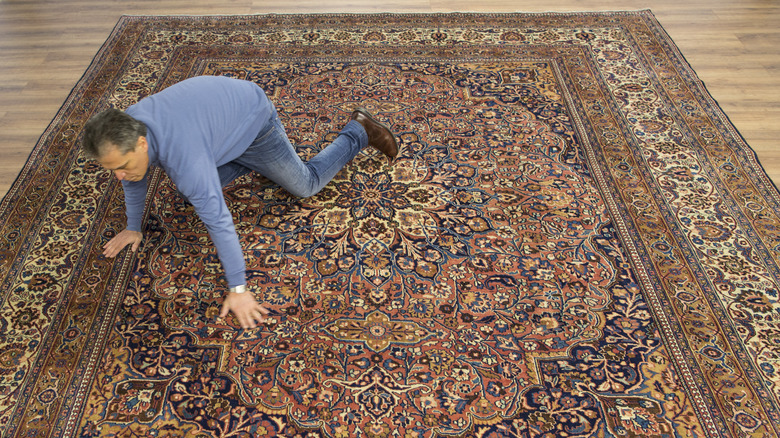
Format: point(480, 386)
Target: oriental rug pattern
point(574, 241)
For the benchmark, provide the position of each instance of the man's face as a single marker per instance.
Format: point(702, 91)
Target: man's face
point(131, 166)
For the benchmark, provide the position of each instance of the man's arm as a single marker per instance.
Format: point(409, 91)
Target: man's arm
point(135, 201)
point(206, 196)
point(238, 300)
point(135, 197)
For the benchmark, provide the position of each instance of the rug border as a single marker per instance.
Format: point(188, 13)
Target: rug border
point(30, 165)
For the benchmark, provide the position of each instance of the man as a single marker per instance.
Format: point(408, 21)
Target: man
point(205, 132)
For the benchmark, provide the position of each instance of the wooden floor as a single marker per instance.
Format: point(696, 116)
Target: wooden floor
point(45, 47)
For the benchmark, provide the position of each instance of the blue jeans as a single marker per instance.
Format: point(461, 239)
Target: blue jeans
point(273, 156)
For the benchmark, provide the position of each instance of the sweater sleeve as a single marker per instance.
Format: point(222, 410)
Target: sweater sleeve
point(135, 196)
point(204, 191)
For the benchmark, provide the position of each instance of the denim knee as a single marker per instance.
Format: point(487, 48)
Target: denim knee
point(299, 191)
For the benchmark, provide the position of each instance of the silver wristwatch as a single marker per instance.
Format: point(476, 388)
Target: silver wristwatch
point(238, 289)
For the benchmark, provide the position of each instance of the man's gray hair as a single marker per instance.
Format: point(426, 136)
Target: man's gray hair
point(111, 127)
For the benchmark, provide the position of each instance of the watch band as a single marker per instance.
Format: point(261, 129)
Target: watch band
point(238, 289)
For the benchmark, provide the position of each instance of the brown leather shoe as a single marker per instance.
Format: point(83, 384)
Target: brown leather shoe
point(379, 135)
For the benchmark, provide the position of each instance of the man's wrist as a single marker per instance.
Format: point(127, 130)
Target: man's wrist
point(238, 289)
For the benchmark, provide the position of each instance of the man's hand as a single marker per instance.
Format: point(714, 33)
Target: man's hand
point(121, 240)
point(246, 309)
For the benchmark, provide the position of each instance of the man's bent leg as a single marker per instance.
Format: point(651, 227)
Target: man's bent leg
point(273, 156)
point(230, 171)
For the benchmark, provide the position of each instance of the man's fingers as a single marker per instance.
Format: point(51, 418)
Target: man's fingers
point(247, 312)
point(248, 323)
point(260, 313)
point(252, 318)
point(121, 240)
point(112, 249)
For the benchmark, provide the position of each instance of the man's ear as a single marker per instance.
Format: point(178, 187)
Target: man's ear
point(142, 143)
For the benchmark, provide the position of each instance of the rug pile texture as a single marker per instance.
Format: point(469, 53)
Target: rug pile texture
point(573, 242)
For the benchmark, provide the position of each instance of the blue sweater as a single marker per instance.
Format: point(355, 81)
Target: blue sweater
point(194, 127)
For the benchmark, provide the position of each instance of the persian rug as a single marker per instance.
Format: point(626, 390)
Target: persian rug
point(574, 241)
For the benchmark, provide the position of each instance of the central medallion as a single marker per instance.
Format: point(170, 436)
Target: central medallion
point(377, 331)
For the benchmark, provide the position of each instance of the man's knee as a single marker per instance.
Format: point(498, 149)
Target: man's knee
point(301, 192)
